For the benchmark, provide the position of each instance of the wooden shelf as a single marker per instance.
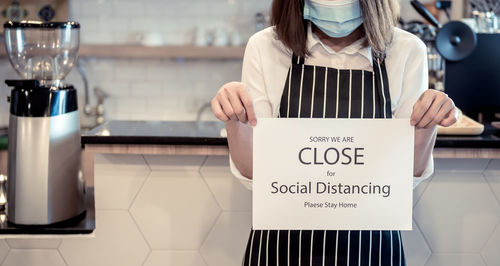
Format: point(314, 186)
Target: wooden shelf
point(160, 52)
point(157, 52)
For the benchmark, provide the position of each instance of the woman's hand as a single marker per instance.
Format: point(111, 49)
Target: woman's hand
point(233, 103)
point(433, 108)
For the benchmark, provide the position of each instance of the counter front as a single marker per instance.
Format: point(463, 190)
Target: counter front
point(168, 184)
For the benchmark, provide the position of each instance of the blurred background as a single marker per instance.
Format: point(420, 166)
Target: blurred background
point(164, 60)
point(126, 51)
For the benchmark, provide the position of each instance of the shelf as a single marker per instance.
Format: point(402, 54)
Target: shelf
point(157, 52)
point(161, 52)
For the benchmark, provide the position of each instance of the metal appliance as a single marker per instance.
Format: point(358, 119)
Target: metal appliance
point(44, 186)
point(474, 82)
point(472, 63)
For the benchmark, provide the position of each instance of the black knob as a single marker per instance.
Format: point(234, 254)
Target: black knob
point(455, 40)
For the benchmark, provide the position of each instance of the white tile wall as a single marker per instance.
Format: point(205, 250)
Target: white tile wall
point(416, 249)
point(492, 175)
point(117, 241)
point(174, 163)
point(419, 190)
point(152, 89)
point(228, 239)
point(447, 259)
point(4, 250)
point(177, 258)
point(198, 215)
point(28, 243)
point(125, 184)
point(175, 210)
point(228, 191)
point(490, 251)
point(34, 257)
point(467, 165)
point(457, 212)
point(133, 84)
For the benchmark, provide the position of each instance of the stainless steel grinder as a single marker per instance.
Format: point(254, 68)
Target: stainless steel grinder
point(44, 150)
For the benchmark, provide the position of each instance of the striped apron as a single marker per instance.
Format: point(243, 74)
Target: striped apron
point(322, 92)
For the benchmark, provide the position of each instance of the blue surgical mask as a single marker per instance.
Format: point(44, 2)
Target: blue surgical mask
point(335, 18)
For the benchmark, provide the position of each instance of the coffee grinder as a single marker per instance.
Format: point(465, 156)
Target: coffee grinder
point(44, 151)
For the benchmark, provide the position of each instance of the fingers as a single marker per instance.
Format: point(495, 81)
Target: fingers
point(429, 118)
point(433, 108)
point(450, 118)
point(248, 104)
point(223, 99)
point(237, 106)
point(217, 110)
point(421, 107)
point(233, 102)
point(443, 111)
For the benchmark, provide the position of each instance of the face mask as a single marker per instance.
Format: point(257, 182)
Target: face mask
point(335, 18)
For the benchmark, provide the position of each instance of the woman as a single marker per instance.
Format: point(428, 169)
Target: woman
point(333, 59)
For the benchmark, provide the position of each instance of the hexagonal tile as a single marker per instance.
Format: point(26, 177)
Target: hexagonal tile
point(4, 249)
point(419, 190)
point(229, 192)
point(226, 243)
point(118, 178)
point(33, 243)
point(492, 174)
point(175, 162)
point(455, 260)
point(415, 248)
point(33, 257)
point(491, 250)
point(493, 167)
point(457, 212)
point(494, 182)
point(117, 242)
point(177, 258)
point(460, 165)
point(175, 210)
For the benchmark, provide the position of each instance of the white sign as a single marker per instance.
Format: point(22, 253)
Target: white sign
point(332, 174)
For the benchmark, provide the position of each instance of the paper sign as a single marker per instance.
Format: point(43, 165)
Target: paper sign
point(332, 174)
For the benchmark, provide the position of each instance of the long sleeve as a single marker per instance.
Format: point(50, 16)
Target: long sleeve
point(415, 82)
point(252, 77)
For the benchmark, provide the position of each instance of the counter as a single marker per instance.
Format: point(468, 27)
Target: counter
point(130, 134)
point(164, 193)
point(156, 133)
point(171, 181)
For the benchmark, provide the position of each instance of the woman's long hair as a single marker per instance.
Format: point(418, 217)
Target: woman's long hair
point(379, 18)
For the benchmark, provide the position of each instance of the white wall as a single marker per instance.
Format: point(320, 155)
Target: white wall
point(190, 211)
point(153, 89)
point(159, 89)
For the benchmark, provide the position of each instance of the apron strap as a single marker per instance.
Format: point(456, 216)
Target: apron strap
point(297, 60)
point(382, 84)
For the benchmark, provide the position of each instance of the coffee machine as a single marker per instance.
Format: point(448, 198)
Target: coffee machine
point(45, 186)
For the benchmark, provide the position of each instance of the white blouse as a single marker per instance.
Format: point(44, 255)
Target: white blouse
point(267, 60)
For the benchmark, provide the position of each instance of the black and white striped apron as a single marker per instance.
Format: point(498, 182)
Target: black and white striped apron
point(322, 92)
